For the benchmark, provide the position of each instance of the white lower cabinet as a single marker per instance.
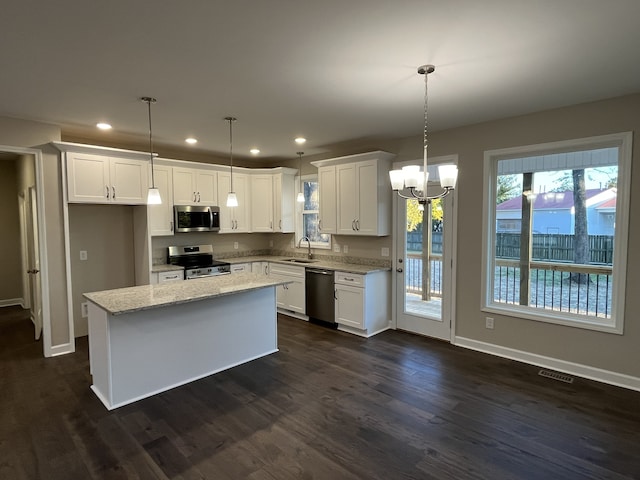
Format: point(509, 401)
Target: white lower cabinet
point(292, 295)
point(363, 302)
point(260, 267)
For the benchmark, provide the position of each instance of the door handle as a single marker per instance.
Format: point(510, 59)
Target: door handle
point(399, 270)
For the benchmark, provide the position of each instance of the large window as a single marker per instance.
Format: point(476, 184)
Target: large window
point(556, 222)
point(309, 220)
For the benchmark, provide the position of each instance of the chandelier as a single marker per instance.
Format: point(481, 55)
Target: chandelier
point(414, 180)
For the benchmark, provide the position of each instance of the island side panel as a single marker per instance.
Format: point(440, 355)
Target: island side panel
point(158, 349)
point(99, 355)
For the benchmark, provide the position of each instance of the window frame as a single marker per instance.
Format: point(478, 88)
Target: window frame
point(623, 141)
point(300, 216)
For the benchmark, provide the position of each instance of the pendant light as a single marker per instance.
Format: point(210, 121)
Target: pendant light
point(153, 195)
point(411, 177)
point(300, 197)
point(232, 199)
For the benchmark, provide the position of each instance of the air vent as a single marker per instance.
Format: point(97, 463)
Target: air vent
point(562, 377)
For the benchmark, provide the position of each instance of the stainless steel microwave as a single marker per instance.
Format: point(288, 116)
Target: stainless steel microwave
point(196, 218)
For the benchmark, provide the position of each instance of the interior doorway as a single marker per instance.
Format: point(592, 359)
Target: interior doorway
point(26, 236)
point(424, 266)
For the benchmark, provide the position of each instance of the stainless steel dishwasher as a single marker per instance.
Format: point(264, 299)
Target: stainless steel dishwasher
point(319, 293)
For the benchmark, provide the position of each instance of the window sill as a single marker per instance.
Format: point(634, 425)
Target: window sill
point(565, 319)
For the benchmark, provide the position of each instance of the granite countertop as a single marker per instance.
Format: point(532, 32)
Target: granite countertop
point(316, 263)
point(144, 297)
point(166, 268)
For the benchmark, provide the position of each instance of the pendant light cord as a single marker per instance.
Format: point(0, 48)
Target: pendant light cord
point(231, 120)
point(153, 180)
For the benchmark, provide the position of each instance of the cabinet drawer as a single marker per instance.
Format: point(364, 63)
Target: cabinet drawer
point(176, 276)
point(353, 279)
point(286, 270)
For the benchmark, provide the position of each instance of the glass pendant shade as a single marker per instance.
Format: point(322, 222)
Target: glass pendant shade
point(232, 200)
point(153, 197)
point(411, 176)
point(397, 179)
point(300, 197)
point(448, 176)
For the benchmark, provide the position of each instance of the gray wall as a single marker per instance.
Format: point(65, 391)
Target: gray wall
point(617, 353)
point(105, 232)
point(10, 238)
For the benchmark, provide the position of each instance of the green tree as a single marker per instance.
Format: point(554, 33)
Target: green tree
point(414, 215)
point(509, 186)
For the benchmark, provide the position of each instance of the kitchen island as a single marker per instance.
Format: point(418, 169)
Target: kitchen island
point(148, 339)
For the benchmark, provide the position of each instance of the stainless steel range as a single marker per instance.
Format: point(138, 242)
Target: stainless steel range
point(197, 261)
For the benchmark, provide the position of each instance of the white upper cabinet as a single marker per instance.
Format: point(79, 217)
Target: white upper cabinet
point(272, 200)
point(93, 178)
point(160, 217)
point(234, 219)
point(262, 203)
point(355, 194)
point(193, 186)
point(327, 197)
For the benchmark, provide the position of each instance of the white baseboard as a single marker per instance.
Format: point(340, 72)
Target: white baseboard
point(61, 349)
point(585, 371)
point(10, 302)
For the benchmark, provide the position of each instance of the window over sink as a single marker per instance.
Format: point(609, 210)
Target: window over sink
point(308, 218)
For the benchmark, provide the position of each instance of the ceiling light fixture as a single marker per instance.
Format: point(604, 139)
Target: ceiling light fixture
point(410, 177)
point(153, 196)
point(232, 199)
point(300, 197)
point(254, 151)
point(191, 140)
point(300, 140)
point(103, 126)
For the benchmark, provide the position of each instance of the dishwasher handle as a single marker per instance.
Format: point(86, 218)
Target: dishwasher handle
point(319, 272)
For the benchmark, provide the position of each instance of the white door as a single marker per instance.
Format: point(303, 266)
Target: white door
point(424, 308)
point(34, 271)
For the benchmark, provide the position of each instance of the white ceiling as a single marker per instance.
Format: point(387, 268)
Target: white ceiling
point(330, 70)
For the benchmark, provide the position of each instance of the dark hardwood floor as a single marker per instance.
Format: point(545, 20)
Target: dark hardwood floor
point(327, 406)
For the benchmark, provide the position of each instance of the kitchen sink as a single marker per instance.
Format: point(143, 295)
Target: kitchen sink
point(298, 260)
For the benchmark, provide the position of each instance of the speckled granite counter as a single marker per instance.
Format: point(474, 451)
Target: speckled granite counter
point(144, 297)
point(315, 263)
point(166, 268)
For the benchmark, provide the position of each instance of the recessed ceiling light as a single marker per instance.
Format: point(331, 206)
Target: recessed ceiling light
point(191, 140)
point(103, 126)
point(255, 151)
point(300, 140)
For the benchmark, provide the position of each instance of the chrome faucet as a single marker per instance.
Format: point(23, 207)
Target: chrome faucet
point(309, 254)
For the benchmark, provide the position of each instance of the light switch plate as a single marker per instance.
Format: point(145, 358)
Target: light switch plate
point(385, 251)
point(336, 248)
point(345, 248)
point(83, 255)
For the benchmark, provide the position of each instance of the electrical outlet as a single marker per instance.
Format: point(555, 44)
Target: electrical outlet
point(84, 308)
point(235, 245)
point(271, 243)
point(83, 255)
point(345, 248)
point(488, 321)
point(336, 248)
point(385, 251)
